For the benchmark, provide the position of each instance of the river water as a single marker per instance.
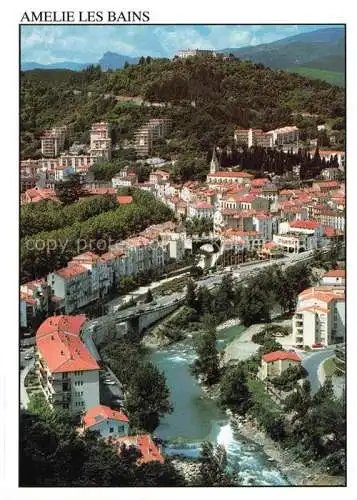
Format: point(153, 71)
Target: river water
point(197, 418)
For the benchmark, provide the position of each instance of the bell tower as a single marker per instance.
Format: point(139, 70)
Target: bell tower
point(214, 166)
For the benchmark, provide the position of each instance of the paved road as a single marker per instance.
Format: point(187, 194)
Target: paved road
point(312, 362)
point(27, 364)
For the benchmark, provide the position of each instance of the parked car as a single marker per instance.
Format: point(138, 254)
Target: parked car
point(316, 346)
point(109, 382)
point(28, 356)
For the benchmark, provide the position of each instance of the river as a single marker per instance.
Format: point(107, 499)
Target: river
point(197, 418)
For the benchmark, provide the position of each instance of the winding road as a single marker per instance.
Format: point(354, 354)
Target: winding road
point(312, 363)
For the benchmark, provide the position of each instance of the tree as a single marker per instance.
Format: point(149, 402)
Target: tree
point(191, 294)
point(213, 461)
point(204, 301)
point(234, 391)
point(147, 398)
point(253, 306)
point(39, 406)
point(69, 190)
point(148, 297)
point(325, 393)
point(207, 363)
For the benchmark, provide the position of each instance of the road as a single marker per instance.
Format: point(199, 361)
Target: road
point(27, 364)
point(312, 362)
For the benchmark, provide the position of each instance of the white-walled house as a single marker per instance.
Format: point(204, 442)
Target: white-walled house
point(68, 373)
point(334, 277)
point(200, 209)
point(275, 363)
point(106, 421)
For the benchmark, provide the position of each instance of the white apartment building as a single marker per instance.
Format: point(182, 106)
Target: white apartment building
point(200, 209)
point(263, 224)
point(98, 270)
point(320, 316)
point(284, 135)
point(100, 142)
point(73, 286)
point(154, 129)
point(68, 373)
point(298, 236)
point(52, 141)
point(253, 137)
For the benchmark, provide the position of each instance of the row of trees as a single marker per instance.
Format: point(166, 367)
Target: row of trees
point(252, 302)
point(147, 396)
point(43, 252)
point(48, 215)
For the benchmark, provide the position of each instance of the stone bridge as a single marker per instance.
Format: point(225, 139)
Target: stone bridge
point(133, 320)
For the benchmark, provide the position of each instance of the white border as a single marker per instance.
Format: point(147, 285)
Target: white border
point(258, 12)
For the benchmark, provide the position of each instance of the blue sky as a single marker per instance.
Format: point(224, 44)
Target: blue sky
point(87, 44)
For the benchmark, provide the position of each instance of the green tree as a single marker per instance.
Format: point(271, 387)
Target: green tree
point(147, 398)
point(148, 297)
point(191, 294)
point(234, 391)
point(69, 190)
point(213, 466)
point(207, 363)
point(39, 406)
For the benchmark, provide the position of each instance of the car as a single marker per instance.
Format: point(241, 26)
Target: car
point(109, 382)
point(28, 356)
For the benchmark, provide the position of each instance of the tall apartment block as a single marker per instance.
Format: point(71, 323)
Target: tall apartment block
point(253, 137)
point(154, 129)
point(52, 141)
point(100, 142)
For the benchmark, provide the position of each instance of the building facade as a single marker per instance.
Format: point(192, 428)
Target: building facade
point(68, 373)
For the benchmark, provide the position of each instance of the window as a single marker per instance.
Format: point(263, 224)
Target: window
point(111, 429)
point(120, 428)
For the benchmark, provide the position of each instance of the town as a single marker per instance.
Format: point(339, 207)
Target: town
point(248, 248)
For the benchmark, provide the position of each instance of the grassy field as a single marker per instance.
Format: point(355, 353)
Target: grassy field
point(333, 77)
point(330, 367)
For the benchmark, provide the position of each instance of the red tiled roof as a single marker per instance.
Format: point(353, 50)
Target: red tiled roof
point(277, 355)
point(203, 204)
point(100, 413)
point(259, 182)
point(335, 273)
point(144, 442)
point(331, 184)
point(329, 231)
point(71, 271)
point(305, 224)
point(231, 174)
point(60, 345)
point(125, 200)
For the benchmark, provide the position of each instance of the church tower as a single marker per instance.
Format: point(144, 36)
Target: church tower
point(214, 166)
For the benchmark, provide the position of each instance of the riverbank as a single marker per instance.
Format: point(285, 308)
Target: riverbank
point(297, 473)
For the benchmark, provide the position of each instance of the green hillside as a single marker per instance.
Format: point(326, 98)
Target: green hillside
point(322, 49)
point(333, 77)
point(226, 94)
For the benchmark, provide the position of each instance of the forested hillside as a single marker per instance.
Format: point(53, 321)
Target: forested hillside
point(206, 98)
